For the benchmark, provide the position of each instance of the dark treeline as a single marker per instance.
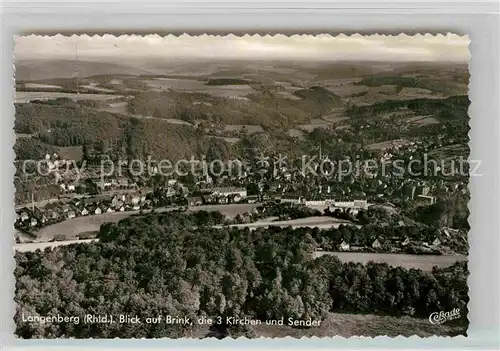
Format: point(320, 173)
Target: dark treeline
point(32, 149)
point(175, 264)
point(72, 90)
point(228, 81)
point(62, 125)
point(452, 108)
point(435, 85)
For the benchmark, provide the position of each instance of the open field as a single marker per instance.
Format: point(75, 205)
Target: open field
point(121, 108)
point(288, 95)
point(415, 93)
point(197, 86)
point(41, 86)
point(289, 87)
point(423, 262)
point(295, 133)
point(449, 152)
point(349, 325)
point(94, 86)
point(337, 82)
point(367, 325)
point(334, 118)
point(422, 120)
point(160, 84)
point(115, 107)
point(226, 139)
point(249, 128)
point(41, 246)
point(315, 123)
point(178, 121)
point(70, 152)
point(348, 89)
point(23, 135)
point(74, 226)
point(27, 96)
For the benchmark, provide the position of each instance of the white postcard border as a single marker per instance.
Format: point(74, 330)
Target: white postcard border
point(484, 144)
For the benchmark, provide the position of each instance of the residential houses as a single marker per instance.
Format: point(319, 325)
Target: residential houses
point(436, 242)
point(24, 216)
point(344, 246)
point(291, 199)
point(377, 244)
point(425, 199)
point(195, 200)
point(252, 199)
point(66, 208)
point(229, 194)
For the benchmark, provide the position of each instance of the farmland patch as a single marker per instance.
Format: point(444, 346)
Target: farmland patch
point(41, 86)
point(27, 96)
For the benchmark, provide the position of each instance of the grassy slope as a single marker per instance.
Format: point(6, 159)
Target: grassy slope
point(348, 325)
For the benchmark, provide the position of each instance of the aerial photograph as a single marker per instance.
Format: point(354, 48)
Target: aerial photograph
point(223, 186)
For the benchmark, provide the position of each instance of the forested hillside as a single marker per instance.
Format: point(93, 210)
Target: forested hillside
point(67, 125)
point(452, 108)
point(434, 85)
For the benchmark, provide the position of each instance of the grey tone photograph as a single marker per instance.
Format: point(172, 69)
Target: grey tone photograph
point(241, 186)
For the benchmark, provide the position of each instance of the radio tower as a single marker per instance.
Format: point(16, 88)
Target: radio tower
point(77, 69)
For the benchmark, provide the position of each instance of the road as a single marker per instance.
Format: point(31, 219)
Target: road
point(41, 246)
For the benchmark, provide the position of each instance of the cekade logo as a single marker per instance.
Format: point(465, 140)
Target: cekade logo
point(441, 317)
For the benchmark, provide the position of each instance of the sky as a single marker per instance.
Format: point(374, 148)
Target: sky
point(427, 47)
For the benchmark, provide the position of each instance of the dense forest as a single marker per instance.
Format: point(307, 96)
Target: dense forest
point(63, 125)
point(434, 85)
point(452, 108)
point(32, 149)
point(178, 265)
